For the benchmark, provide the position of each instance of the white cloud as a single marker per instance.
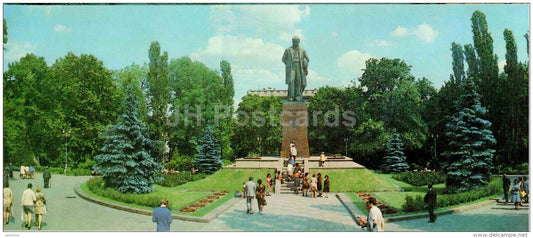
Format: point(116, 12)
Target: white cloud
point(352, 62)
point(262, 18)
point(287, 37)
point(501, 65)
point(242, 52)
point(422, 32)
point(16, 49)
point(334, 34)
point(62, 28)
point(399, 31)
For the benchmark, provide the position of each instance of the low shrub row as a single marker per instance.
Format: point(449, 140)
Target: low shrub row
point(97, 186)
point(443, 200)
point(173, 180)
point(420, 178)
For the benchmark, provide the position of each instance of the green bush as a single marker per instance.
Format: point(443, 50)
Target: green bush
point(413, 205)
point(173, 180)
point(97, 186)
point(180, 162)
point(70, 171)
point(445, 200)
point(420, 178)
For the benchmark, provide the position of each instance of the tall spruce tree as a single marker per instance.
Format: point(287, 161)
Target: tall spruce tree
point(395, 160)
point(125, 162)
point(208, 159)
point(468, 155)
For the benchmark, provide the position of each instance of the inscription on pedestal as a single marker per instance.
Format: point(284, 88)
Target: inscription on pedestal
point(295, 121)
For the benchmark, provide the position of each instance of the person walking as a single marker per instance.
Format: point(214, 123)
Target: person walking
point(250, 194)
point(28, 201)
point(260, 195)
point(313, 186)
point(431, 202)
point(162, 216)
point(515, 197)
point(40, 208)
point(375, 221)
point(269, 184)
point(8, 202)
point(47, 176)
point(526, 190)
point(506, 187)
point(326, 185)
point(319, 184)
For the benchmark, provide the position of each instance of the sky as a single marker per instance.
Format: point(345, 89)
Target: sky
point(338, 38)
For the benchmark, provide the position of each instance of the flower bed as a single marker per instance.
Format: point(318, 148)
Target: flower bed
point(204, 202)
point(385, 209)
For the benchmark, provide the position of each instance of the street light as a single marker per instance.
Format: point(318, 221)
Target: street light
point(259, 139)
point(66, 148)
point(346, 146)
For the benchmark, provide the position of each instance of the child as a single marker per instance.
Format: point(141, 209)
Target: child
point(269, 184)
point(243, 195)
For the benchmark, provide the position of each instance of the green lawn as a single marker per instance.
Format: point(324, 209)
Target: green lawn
point(181, 196)
point(228, 179)
point(342, 180)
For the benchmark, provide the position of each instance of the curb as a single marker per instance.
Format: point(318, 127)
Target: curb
point(354, 211)
point(205, 219)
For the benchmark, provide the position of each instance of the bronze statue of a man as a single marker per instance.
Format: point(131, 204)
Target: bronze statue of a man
point(296, 61)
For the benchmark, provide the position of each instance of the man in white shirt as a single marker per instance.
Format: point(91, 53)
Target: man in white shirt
point(28, 200)
point(250, 194)
point(375, 221)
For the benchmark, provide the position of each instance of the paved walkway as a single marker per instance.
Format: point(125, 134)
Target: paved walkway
point(68, 212)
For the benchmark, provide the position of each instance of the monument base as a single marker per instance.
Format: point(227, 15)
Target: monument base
point(294, 120)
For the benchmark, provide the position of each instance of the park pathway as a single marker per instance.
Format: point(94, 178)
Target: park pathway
point(284, 212)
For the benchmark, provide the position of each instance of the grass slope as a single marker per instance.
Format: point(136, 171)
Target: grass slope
point(228, 179)
point(355, 180)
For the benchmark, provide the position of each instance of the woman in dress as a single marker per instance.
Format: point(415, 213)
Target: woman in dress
point(39, 207)
point(260, 195)
point(269, 184)
point(8, 202)
point(515, 197)
point(326, 185)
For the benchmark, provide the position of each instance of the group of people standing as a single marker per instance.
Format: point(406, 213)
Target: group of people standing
point(31, 202)
point(519, 191)
point(305, 184)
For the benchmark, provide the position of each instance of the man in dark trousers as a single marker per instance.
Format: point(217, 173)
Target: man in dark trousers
point(506, 185)
point(162, 216)
point(46, 176)
point(431, 201)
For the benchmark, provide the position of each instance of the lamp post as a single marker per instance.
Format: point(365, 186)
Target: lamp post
point(259, 139)
point(346, 146)
point(67, 133)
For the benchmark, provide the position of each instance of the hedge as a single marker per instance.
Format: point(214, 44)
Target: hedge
point(96, 185)
point(445, 200)
point(420, 178)
point(173, 180)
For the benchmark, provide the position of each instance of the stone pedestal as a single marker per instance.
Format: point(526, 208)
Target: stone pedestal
point(295, 121)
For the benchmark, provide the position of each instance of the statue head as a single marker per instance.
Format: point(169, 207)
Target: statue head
point(295, 41)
